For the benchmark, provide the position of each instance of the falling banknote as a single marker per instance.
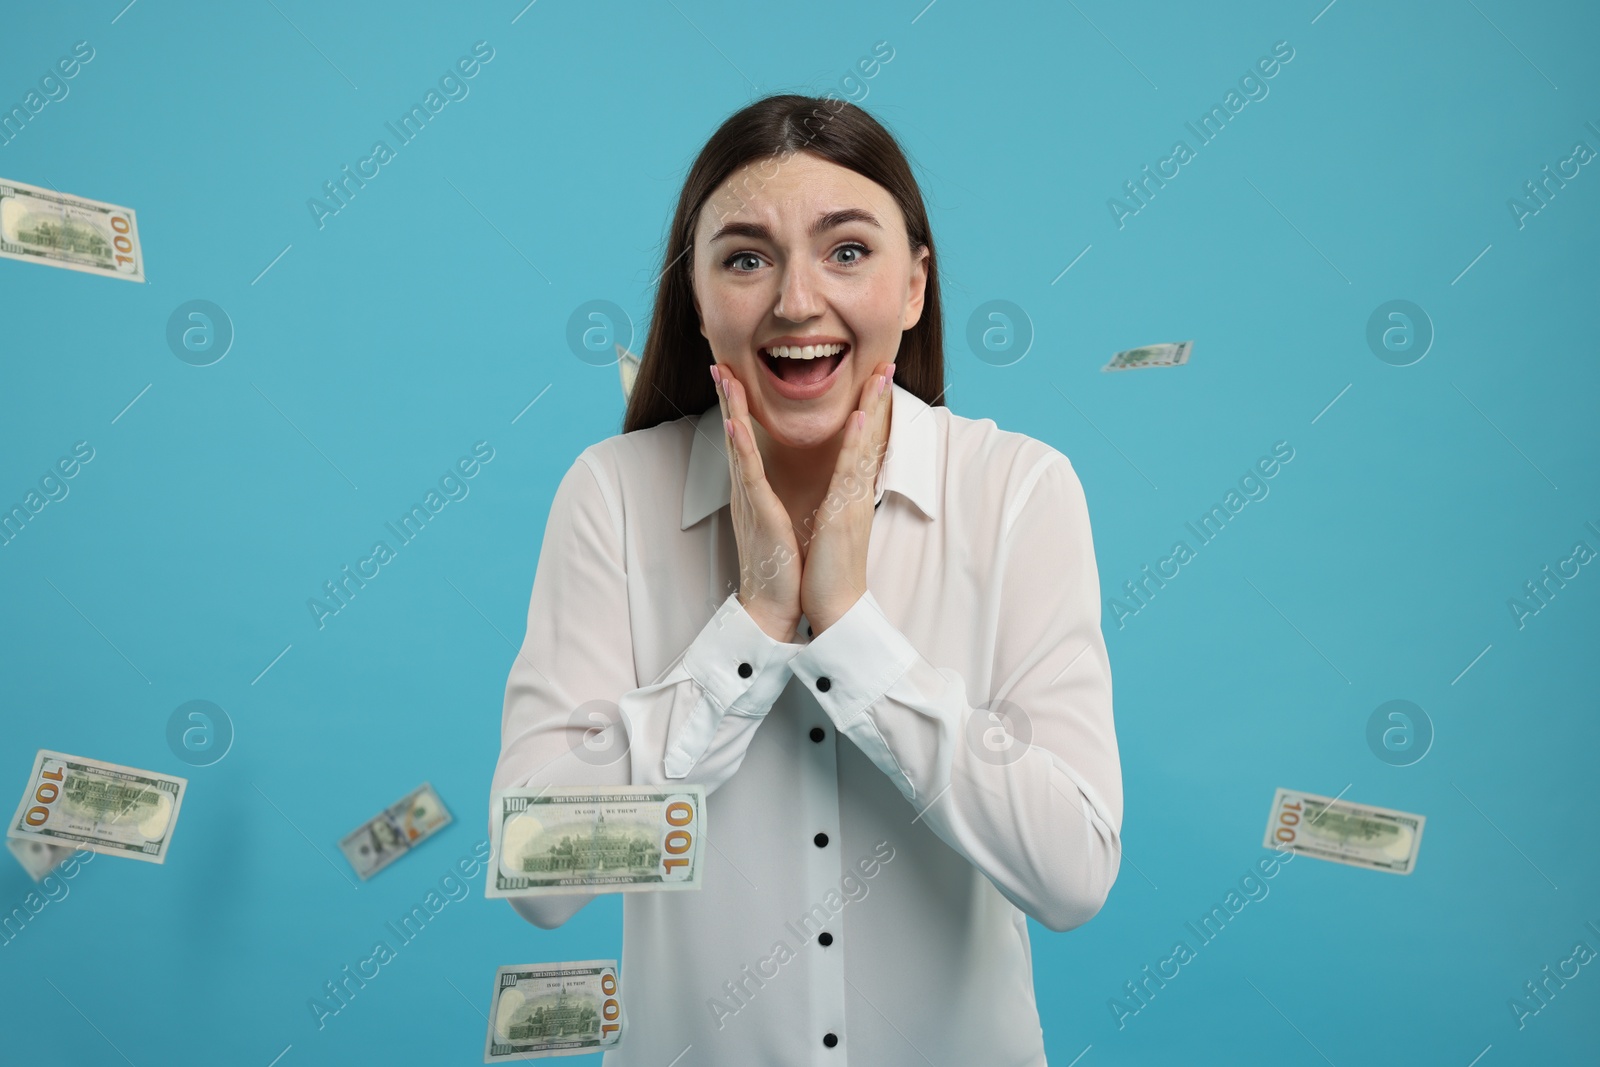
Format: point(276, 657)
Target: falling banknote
point(554, 1009)
point(36, 857)
point(104, 807)
point(1357, 834)
point(395, 831)
point(628, 367)
point(598, 839)
point(61, 230)
point(1168, 354)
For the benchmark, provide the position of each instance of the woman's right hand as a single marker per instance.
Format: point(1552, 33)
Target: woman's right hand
point(769, 556)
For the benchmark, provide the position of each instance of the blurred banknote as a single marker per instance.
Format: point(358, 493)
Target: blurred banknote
point(105, 807)
point(61, 230)
point(36, 857)
point(600, 839)
point(1337, 830)
point(554, 1009)
point(1169, 354)
point(628, 367)
point(395, 831)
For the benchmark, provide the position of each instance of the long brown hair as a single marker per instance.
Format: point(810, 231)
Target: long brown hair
point(672, 381)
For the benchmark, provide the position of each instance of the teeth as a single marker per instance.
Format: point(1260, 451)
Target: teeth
point(806, 352)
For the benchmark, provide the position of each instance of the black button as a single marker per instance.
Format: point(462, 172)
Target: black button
point(830, 1039)
point(824, 938)
point(744, 670)
point(818, 733)
point(821, 840)
point(823, 684)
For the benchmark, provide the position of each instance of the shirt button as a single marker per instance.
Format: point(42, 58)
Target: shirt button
point(818, 733)
point(821, 840)
point(744, 670)
point(824, 685)
point(824, 938)
point(830, 1039)
point(809, 631)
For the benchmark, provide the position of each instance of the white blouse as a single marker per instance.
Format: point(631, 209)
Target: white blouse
point(886, 801)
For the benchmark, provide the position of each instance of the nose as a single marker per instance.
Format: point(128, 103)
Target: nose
point(798, 296)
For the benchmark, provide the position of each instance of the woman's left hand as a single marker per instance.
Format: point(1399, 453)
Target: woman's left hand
point(835, 569)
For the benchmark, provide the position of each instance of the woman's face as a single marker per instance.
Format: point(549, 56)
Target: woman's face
point(804, 251)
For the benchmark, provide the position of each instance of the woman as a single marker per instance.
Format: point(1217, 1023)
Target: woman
point(870, 628)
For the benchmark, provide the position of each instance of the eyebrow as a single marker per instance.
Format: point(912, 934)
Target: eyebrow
point(826, 221)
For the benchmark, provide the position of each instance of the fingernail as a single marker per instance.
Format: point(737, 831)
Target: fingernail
point(725, 387)
point(713, 369)
point(727, 424)
point(883, 383)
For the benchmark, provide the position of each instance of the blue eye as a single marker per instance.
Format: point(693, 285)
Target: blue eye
point(863, 249)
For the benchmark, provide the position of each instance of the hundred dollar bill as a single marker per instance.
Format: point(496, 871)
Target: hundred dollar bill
point(61, 230)
point(1357, 834)
point(1167, 354)
point(36, 857)
point(395, 831)
point(628, 367)
point(599, 839)
point(104, 807)
point(554, 1009)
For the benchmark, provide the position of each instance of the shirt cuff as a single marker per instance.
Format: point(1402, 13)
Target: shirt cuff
point(852, 663)
point(737, 663)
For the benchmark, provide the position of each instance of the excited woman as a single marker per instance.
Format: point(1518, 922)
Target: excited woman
point(869, 627)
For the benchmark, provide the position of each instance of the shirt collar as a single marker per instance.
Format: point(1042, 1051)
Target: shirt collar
point(908, 467)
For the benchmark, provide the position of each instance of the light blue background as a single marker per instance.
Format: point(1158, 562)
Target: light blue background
point(430, 312)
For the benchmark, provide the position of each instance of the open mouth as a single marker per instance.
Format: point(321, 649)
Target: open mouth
point(803, 367)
